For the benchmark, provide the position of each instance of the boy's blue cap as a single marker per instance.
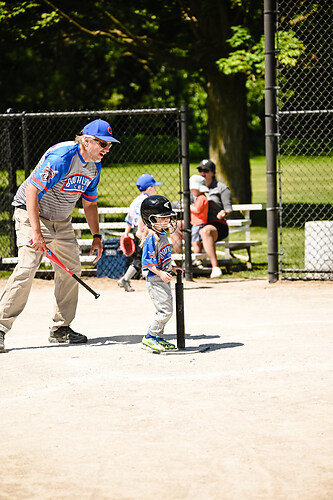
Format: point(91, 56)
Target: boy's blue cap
point(145, 181)
point(100, 129)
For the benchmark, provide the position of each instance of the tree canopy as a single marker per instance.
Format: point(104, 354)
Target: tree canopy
point(69, 54)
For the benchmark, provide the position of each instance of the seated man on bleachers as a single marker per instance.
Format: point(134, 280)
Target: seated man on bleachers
point(219, 208)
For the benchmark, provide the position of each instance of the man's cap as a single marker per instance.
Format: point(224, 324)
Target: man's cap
point(145, 181)
point(100, 129)
point(198, 182)
point(208, 164)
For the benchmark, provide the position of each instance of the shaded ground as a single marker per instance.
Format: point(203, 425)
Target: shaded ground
point(250, 418)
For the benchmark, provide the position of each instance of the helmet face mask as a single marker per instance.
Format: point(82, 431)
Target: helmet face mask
point(157, 225)
point(158, 207)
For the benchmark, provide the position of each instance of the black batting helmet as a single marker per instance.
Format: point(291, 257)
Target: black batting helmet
point(157, 206)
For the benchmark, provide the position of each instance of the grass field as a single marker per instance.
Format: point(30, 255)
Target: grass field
point(309, 180)
point(304, 180)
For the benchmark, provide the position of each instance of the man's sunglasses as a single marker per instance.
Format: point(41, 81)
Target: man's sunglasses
point(102, 143)
point(203, 170)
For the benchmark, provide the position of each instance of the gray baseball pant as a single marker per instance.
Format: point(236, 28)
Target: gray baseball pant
point(160, 294)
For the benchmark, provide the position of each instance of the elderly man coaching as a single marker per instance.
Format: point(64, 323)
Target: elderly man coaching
point(43, 206)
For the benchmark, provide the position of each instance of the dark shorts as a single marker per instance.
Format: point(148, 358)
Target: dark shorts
point(135, 259)
point(221, 227)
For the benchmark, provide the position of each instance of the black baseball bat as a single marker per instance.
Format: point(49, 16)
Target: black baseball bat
point(180, 311)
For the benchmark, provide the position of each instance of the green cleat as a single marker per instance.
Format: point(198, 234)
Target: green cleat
point(167, 345)
point(153, 344)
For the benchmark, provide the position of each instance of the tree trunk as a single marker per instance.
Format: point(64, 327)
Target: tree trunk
point(228, 134)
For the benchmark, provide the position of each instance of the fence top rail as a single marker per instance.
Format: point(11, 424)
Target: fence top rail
point(92, 112)
point(124, 210)
point(305, 112)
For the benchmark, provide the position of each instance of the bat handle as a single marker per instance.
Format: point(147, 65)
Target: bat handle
point(95, 294)
point(41, 251)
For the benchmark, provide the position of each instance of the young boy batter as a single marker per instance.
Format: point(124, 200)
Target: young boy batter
point(157, 213)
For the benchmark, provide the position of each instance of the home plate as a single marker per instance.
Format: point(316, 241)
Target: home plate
point(187, 350)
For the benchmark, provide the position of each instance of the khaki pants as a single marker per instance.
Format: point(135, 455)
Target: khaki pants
point(60, 239)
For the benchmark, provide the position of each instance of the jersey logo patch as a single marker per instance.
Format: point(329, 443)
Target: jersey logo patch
point(76, 184)
point(152, 255)
point(165, 253)
point(48, 173)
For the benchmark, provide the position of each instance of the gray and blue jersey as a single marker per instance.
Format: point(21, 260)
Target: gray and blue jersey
point(62, 176)
point(156, 253)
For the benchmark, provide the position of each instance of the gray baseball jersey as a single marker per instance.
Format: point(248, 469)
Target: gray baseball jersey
point(62, 176)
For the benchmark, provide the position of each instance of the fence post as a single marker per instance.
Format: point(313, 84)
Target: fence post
point(25, 146)
point(12, 186)
point(270, 12)
point(186, 193)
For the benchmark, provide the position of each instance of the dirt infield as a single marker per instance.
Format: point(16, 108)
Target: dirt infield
point(251, 418)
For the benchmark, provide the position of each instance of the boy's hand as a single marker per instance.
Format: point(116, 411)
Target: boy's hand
point(166, 277)
point(175, 269)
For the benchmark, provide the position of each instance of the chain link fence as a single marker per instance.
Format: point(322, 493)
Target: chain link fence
point(150, 143)
point(304, 118)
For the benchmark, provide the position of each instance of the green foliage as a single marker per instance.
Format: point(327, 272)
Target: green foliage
point(250, 60)
point(106, 73)
point(240, 36)
point(147, 57)
point(46, 20)
point(290, 48)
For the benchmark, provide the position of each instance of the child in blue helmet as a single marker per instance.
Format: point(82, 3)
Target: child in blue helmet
point(158, 216)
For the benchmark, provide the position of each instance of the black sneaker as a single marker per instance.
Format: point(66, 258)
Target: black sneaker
point(66, 335)
point(2, 342)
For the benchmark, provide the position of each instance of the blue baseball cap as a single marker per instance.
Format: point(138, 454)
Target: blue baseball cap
point(145, 181)
point(100, 129)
